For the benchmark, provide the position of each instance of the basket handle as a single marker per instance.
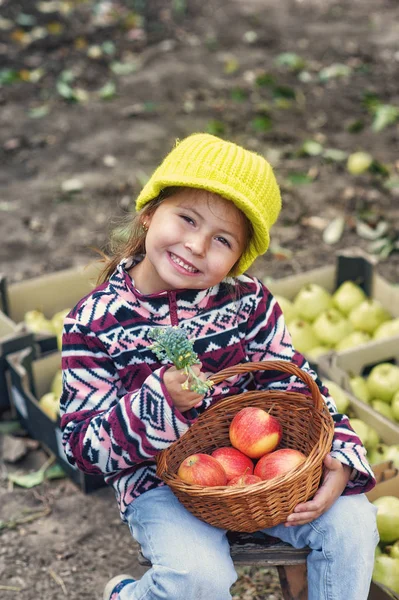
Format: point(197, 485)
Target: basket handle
point(272, 365)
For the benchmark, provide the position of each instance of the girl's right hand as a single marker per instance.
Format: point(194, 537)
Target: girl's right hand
point(182, 399)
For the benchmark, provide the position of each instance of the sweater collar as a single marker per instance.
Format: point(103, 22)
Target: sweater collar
point(122, 282)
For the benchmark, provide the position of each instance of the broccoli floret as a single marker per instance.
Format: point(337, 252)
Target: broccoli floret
point(173, 344)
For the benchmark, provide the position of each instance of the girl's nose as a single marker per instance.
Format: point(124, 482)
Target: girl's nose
point(196, 245)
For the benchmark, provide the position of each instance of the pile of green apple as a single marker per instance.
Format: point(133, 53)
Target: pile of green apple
point(380, 389)
point(36, 322)
point(319, 321)
point(377, 450)
point(386, 565)
point(50, 402)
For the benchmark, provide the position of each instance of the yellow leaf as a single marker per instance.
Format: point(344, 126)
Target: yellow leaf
point(80, 43)
point(20, 36)
point(55, 28)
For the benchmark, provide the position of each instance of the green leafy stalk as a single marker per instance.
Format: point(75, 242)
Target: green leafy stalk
point(173, 344)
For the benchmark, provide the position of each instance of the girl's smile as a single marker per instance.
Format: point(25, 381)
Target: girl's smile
point(193, 241)
point(181, 264)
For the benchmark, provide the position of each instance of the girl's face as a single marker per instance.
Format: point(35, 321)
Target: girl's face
point(193, 241)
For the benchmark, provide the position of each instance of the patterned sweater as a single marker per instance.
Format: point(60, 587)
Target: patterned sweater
point(116, 412)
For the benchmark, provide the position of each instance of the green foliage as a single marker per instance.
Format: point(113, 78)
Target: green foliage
point(384, 115)
point(216, 127)
point(291, 60)
point(173, 344)
point(262, 123)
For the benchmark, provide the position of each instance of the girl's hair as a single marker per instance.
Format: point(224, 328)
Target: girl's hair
point(120, 247)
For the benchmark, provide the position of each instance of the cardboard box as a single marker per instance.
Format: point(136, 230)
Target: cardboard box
point(12, 339)
point(30, 379)
point(387, 487)
point(340, 367)
point(385, 471)
point(49, 294)
point(351, 264)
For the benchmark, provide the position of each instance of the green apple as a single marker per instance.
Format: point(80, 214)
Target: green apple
point(369, 315)
point(373, 439)
point(383, 408)
point(287, 308)
point(348, 296)
point(386, 571)
point(395, 406)
point(361, 429)
point(50, 405)
point(359, 162)
point(383, 381)
point(311, 300)
point(359, 388)
point(393, 454)
point(303, 338)
point(37, 322)
point(331, 327)
point(57, 320)
point(388, 519)
point(387, 329)
point(394, 550)
point(354, 339)
point(56, 384)
point(316, 352)
point(378, 454)
point(338, 395)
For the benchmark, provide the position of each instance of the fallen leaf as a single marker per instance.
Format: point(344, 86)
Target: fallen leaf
point(291, 60)
point(71, 186)
point(281, 253)
point(334, 231)
point(367, 232)
point(108, 91)
point(38, 112)
point(315, 222)
point(385, 114)
point(333, 71)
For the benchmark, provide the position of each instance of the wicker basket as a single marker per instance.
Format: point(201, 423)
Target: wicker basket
point(307, 426)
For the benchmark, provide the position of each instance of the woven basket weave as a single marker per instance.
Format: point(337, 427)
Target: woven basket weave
point(307, 426)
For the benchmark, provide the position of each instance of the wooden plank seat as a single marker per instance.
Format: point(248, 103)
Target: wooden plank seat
point(259, 549)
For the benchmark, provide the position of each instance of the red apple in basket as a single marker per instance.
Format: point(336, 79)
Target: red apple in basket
point(254, 431)
point(233, 461)
point(244, 480)
point(202, 469)
point(278, 463)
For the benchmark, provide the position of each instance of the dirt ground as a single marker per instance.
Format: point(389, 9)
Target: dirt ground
point(92, 97)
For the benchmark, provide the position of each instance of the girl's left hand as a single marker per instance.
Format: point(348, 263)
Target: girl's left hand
point(336, 476)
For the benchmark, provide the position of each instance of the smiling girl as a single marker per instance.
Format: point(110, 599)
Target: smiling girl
point(202, 219)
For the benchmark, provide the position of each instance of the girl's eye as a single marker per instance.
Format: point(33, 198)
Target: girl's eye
point(187, 219)
point(224, 241)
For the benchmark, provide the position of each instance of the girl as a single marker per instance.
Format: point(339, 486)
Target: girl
point(202, 219)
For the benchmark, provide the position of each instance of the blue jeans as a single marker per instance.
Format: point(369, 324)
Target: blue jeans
point(191, 559)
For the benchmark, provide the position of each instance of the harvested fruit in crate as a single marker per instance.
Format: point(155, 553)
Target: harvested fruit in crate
point(50, 402)
point(320, 321)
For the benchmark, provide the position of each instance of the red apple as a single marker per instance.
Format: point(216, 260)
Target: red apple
point(233, 461)
point(254, 432)
point(202, 469)
point(244, 480)
point(278, 463)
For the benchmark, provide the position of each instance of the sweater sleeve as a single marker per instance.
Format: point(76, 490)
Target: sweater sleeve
point(107, 429)
point(268, 339)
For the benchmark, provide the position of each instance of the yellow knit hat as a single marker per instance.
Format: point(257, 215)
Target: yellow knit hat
point(210, 163)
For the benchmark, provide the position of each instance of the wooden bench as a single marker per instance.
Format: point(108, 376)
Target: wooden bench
point(259, 549)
